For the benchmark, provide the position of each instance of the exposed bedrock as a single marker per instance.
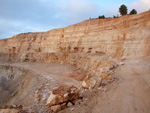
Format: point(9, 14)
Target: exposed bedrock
point(83, 44)
point(124, 36)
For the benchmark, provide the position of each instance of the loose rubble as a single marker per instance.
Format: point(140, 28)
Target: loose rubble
point(62, 97)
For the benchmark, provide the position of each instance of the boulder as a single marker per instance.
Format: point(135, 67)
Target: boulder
point(53, 99)
point(92, 82)
point(121, 63)
point(123, 58)
point(56, 108)
point(106, 75)
point(69, 104)
point(63, 94)
point(63, 106)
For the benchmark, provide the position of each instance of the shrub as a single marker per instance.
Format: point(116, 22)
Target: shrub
point(133, 12)
point(101, 17)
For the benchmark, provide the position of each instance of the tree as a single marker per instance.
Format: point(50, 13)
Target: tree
point(101, 17)
point(123, 9)
point(114, 16)
point(133, 12)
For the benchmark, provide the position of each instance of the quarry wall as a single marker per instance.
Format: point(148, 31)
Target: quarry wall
point(84, 43)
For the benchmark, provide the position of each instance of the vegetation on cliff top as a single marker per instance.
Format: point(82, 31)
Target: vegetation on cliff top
point(133, 12)
point(123, 10)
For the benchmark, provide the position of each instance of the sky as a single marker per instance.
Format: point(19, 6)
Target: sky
point(21, 16)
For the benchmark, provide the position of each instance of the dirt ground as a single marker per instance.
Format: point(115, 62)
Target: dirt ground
point(58, 72)
point(130, 93)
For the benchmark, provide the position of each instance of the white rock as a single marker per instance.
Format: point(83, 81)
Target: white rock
point(72, 109)
point(56, 108)
point(52, 99)
point(121, 63)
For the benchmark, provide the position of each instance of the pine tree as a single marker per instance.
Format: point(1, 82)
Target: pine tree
point(123, 9)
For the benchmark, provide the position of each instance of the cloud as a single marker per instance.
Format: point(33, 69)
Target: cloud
point(24, 16)
point(140, 6)
point(19, 16)
point(79, 10)
point(109, 11)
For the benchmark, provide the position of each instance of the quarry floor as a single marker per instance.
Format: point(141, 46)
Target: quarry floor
point(130, 93)
point(60, 73)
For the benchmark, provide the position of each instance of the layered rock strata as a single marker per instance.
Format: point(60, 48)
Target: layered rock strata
point(83, 44)
point(124, 36)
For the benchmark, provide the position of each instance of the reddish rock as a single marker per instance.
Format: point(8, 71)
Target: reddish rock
point(63, 94)
point(63, 106)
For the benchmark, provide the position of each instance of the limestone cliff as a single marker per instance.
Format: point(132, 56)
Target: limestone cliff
point(123, 36)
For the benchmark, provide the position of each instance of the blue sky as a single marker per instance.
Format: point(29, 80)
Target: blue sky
point(20, 16)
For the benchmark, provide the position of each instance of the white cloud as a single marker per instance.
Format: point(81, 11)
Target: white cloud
point(78, 10)
point(19, 16)
point(111, 10)
point(140, 6)
point(39, 15)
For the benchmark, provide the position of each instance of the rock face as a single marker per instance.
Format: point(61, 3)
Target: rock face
point(83, 44)
point(124, 36)
point(63, 94)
